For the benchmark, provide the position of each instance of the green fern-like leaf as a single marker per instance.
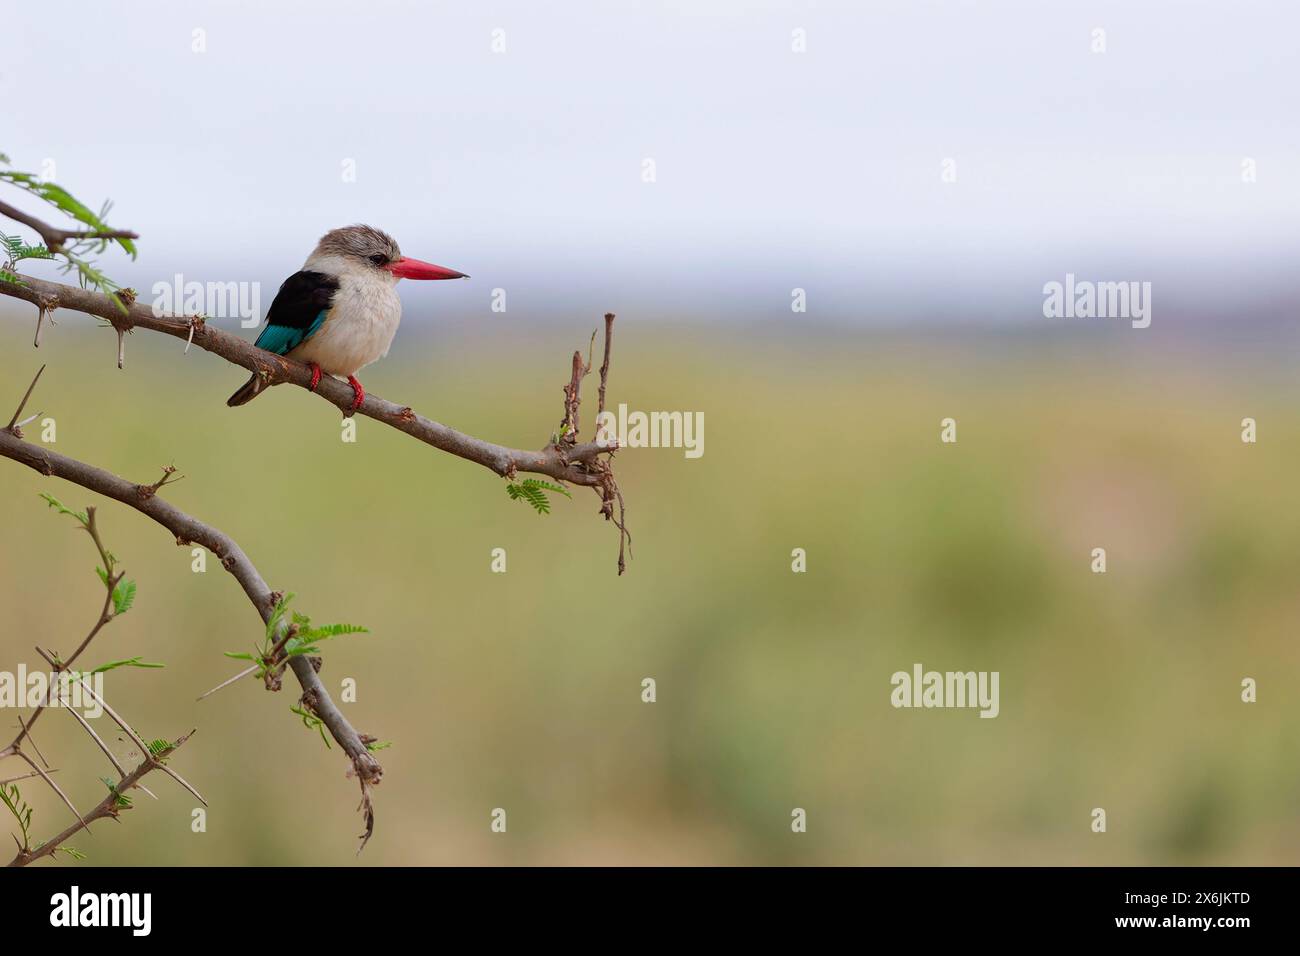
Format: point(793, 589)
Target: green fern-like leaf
point(326, 631)
point(65, 202)
point(307, 639)
point(75, 253)
point(123, 596)
point(277, 615)
point(15, 250)
point(533, 491)
point(13, 799)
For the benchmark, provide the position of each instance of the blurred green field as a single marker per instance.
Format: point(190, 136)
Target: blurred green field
point(522, 690)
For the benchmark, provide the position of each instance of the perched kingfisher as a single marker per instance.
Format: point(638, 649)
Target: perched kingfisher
point(341, 311)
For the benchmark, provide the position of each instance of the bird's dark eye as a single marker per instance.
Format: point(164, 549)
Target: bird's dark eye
point(378, 259)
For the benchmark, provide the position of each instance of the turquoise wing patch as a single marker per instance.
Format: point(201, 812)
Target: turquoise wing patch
point(281, 339)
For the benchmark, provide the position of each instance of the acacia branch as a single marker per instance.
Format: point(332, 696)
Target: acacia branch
point(565, 460)
point(153, 759)
point(105, 614)
point(13, 422)
point(110, 806)
point(53, 237)
point(137, 739)
point(189, 530)
point(566, 465)
point(606, 486)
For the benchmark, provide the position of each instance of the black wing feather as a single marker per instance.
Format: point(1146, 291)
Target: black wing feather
point(297, 309)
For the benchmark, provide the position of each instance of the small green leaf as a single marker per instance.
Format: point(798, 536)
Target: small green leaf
point(277, 615)
point(13, 800)
point(121, 799)
point(312, 722)
point(129, 662)
point(63, 509)
point(123, 596)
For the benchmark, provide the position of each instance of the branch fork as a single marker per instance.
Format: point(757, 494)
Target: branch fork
point(565, 460)
point(151, 760)
point(598, 470)
point(187, 528)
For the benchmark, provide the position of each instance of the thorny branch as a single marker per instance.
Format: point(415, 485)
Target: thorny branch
point(14, 424)
point(53, 237)
point(564, 459)
point(111, 806)
point(152, 760)
point(106, 615)
point(567, 461)
point(189, 530)
point(598, 469)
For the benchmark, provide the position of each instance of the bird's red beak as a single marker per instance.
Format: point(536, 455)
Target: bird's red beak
point(407, 268)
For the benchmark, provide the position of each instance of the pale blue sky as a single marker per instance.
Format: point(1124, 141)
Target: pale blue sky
point(775, 169)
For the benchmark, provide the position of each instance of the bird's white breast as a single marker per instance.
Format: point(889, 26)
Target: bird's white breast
point(360, 327)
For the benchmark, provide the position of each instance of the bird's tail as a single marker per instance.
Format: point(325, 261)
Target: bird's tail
point(247, 392)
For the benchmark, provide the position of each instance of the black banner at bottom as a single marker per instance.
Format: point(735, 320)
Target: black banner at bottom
point(343, 905)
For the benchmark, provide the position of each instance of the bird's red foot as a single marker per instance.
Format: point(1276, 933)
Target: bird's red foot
point(358, 394)
point(315, 376)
